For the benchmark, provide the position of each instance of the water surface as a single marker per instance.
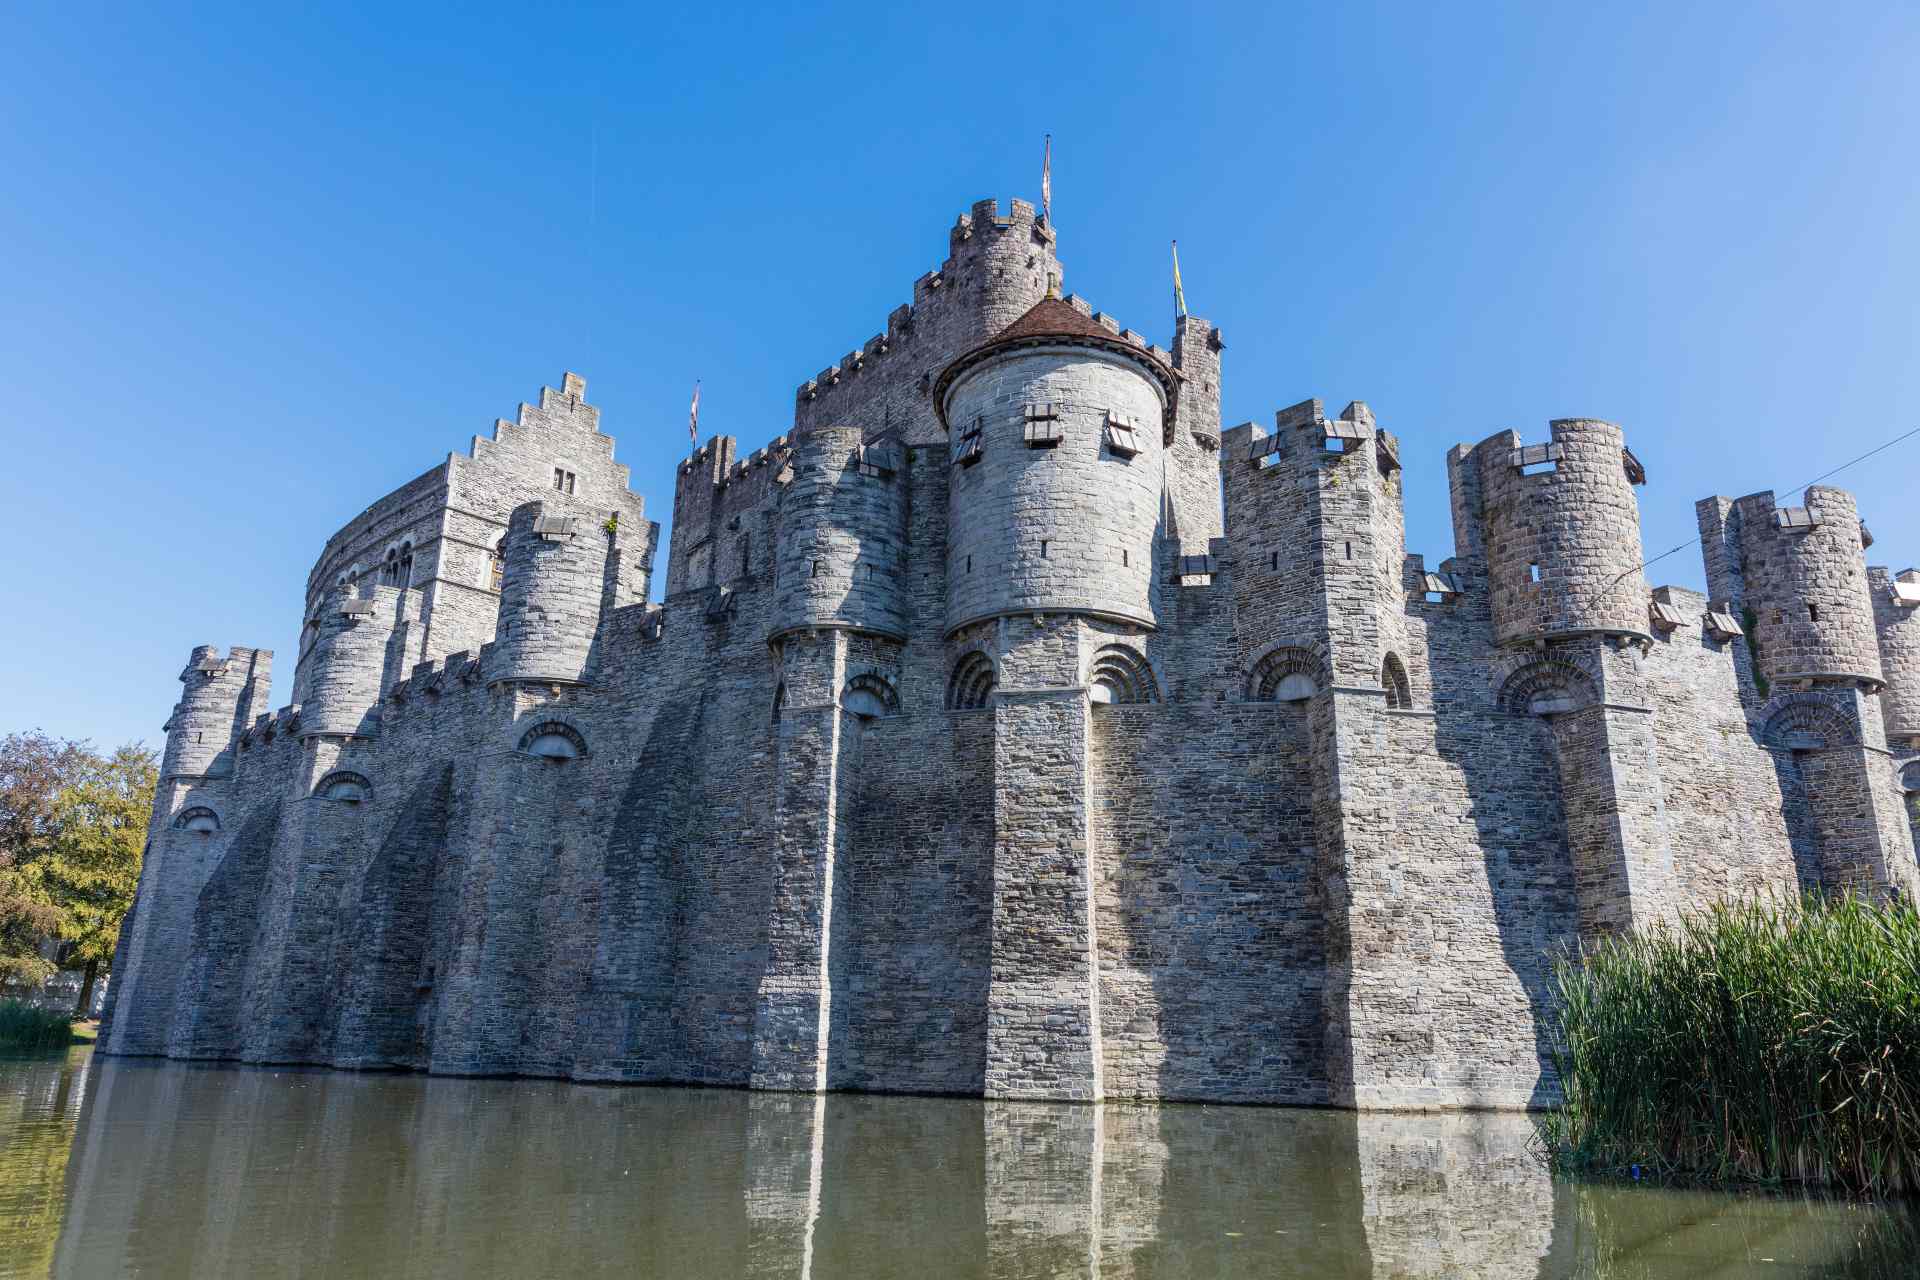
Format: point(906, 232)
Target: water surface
point(115, 1167)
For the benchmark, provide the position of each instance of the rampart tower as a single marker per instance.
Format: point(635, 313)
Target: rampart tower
point(1896, 616)
point(1559, 529)
point(1057, 437)
point(843, 536)
point(551, 592)
point(220, 697)
point(1562, 536)
point(347, 661)
point(1795, 580)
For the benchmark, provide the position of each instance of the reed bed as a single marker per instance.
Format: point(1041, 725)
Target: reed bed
point(26, 1026)
point(1756, 1042)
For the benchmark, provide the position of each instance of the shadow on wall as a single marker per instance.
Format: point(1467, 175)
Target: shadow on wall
point(385, 971)
point(1511, 771)
point(913, 902)
point(626, 1020)
point(1798, 732)
point(221, 947)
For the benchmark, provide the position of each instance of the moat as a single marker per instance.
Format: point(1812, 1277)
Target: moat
point(122, 1167)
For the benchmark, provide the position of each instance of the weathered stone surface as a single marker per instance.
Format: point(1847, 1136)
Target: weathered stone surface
point(1033, 771)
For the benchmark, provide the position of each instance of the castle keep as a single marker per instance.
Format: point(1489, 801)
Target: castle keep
point(1008, 729)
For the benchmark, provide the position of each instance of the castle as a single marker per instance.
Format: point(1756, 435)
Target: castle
point(1008, 729)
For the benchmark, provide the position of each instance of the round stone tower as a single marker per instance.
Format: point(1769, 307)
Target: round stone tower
point(1056, 433)
point(217, 699)
point(345, 664)
point(843, 532)
point(1896, 609)
point(1562, 534)
point(551, 587)
point(1806, 586)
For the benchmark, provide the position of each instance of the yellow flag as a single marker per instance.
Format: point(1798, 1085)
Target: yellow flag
point(1179, 295)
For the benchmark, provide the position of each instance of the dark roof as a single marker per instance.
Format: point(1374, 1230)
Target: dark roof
point(1050, 318)
point(1048, 321)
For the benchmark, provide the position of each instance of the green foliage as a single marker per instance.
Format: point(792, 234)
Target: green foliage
point(1755, 1042)
point(33, 768)
point(72, 829)
point(92, 862)
point(26, 1026)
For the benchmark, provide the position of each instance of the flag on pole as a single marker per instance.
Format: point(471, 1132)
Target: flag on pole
point(1046, 181)
point(693, 415)
point(1179, 295)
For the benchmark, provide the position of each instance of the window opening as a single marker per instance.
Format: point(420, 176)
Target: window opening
point(1042, 429)
point(967, 451)
point(562, 480)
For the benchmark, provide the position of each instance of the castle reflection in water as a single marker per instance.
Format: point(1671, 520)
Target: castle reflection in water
point(208, 1170)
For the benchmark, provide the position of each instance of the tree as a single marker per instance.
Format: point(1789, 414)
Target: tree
point(91, 864)
point(33, 769)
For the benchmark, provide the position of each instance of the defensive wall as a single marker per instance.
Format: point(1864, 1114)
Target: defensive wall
point(1009, 728)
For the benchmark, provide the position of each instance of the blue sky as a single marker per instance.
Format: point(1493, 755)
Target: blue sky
point(260, 268)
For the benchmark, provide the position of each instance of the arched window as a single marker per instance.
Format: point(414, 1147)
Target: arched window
point(1393, 678)
point(390, 567)
point(971, 686)
point(1809, 725)
point(403, 570)
point(345, 786)
point(496, 565)
point(1120, 675)
point(199, 819)
point(1547, 688)
point(553, 740)
point(868, 695)
point(1284, 674)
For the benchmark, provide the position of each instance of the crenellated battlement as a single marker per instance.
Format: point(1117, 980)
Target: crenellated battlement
point(997, 265)
point(1800, 573)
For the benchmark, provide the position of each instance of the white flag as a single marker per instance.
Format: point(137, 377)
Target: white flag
point(1046, 181)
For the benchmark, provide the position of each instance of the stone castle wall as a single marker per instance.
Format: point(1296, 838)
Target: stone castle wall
point(1223, 801)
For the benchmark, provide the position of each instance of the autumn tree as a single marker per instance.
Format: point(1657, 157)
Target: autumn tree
point(34, 767)
point(91, 865)
point(72, 831)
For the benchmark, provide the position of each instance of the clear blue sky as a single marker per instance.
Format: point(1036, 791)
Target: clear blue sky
point(260, 268)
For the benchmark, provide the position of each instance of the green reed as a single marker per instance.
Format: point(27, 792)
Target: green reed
point(1762, 1042)
point(25, 1026)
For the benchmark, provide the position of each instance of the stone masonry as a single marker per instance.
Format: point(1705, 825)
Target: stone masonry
point(1008, 729)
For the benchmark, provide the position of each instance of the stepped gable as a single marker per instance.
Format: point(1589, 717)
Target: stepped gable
point(1052, 321)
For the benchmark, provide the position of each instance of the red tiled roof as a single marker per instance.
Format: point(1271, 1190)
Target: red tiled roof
point(1052, 318)
point(1048, 318)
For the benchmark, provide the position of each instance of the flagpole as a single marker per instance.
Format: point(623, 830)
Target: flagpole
point(1046, 181)
point(1179, 294)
